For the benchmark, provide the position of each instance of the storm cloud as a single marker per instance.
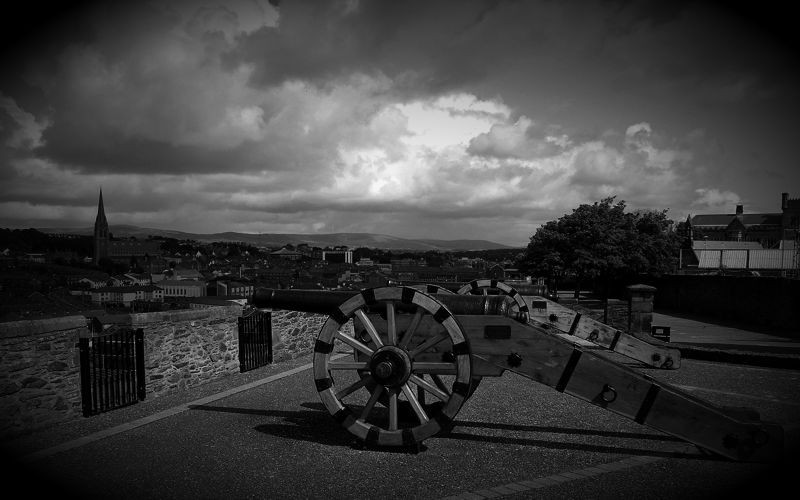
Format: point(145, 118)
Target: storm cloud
point(459, 119)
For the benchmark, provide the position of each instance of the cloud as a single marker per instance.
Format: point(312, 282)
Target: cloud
point(350, 157)
point(164, 98)
point(638, 134)
point(232, 19)
point(426, 47)
point(408, 118)
point(646, 169)
point(715, 200)
point(521, 139)
point(20, 129)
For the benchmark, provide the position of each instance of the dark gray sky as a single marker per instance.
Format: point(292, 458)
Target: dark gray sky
point(435, 119)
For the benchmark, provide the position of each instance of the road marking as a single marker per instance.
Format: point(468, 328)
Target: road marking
point(97, 436)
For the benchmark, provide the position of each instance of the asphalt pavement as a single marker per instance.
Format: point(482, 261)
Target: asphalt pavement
point(732, 342)
point(697, 338)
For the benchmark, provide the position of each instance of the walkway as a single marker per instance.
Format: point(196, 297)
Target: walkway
point(703, 332)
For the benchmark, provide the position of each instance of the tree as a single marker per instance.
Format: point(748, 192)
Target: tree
point(603, 242)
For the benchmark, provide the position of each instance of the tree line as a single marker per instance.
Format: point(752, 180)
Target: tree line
point(603, 246)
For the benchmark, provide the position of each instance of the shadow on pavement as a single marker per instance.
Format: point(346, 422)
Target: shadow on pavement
point(568, 430)
point(556, 444)
point(316, 425)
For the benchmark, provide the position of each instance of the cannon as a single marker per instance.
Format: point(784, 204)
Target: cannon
point(553, 317)
point(412, 359)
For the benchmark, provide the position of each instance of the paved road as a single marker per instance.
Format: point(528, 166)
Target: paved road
point(690, 329)
point(265, 435)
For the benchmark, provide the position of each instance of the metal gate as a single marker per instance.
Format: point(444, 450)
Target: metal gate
point(112, 370)
point(255, 340)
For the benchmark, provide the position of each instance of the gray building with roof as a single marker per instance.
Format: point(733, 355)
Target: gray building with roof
point(766, 243)
point(769, 230)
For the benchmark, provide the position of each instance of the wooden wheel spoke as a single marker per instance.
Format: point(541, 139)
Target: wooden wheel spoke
point(350, 389)
point(347, 365)
point(415, 404)
point(393, 410)
point(429, 343)
point(434, 368)
point(371, 330)
point(440, 384)
point(373, 398)
point(436, 391)
point(391, 325)
point(415, 321)
point(355, 344)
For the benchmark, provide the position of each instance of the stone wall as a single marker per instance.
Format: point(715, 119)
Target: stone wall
point(189, 347)
point(40, 371)
point(294, 333)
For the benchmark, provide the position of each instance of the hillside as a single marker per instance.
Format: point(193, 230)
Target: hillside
point(352, 240)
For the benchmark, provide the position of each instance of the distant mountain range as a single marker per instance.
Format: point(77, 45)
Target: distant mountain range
point(352, 240)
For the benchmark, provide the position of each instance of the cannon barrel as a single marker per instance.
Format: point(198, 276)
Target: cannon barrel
point(326, 302)
point(311, 301)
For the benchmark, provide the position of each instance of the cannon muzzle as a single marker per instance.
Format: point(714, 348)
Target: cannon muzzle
point(326, 302)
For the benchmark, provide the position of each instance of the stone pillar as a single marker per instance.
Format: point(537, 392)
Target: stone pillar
point(640, 308)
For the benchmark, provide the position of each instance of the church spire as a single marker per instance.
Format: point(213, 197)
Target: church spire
point(101, 214)
point(101, 235)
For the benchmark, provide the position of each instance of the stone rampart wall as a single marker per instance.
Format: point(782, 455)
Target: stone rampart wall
point(40, 371)
point(294, 333)
point(189, 347)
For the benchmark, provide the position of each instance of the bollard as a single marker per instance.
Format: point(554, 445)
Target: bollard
point(640, 308)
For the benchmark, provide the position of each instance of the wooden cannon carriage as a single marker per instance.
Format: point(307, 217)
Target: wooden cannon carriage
point(412, 359)
point(552, 317)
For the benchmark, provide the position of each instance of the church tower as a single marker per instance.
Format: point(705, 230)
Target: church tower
point(100, 232)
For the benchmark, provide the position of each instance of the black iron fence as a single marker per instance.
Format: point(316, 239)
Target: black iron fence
point(112, 370)
point(255, 340)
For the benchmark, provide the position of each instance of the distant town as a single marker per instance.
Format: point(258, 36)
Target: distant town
point(50, 274)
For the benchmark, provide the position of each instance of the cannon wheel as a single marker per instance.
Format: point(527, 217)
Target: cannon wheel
point(485, 286)
point(430, 289)
point(392, 370)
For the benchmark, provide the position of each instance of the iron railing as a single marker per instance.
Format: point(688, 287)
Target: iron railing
point(112, 370)
point(255, 340)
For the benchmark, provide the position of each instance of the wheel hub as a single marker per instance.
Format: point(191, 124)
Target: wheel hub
point(390, 366)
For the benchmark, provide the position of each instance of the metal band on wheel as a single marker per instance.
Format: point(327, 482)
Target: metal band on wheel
point(478, 287)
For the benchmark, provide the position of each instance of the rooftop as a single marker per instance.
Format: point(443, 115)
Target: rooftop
point(723, 220)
